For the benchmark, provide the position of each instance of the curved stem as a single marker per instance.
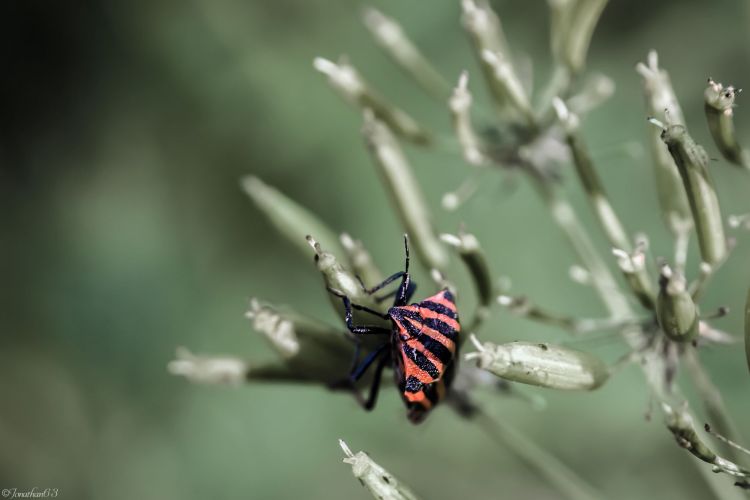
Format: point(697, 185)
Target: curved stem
point(566, 481)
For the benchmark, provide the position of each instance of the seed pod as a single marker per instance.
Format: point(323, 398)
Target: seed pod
point(309, 348)
point(660, 98)
point(486, 34)
point(692, 162)
point(460, 104)
point(676, 312)
point(719, 104)
point(339, 278)
point(347, 81)
point(505, 78)
point(229, 370)
point(361, 261)
point(381, 483)
point(543, 365)
point(290, 219)
point(390, 36)
point(405, 192)
point(209, 369)
point(475, 260)
point(573, 24)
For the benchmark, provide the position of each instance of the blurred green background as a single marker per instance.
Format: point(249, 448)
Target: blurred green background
point(127, 127)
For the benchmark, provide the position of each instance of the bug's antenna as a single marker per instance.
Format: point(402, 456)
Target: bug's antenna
point(406, 249)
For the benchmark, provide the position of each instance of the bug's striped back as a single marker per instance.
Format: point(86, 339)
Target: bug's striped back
point(425, 347)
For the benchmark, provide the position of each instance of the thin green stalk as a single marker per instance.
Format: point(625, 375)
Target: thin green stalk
point(473, 257)
point(565, 480)
point(713, 403)
point(601, 277)
point(652, 363)
point(636, 276)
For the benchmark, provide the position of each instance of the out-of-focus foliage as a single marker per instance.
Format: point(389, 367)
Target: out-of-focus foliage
point(127, 128)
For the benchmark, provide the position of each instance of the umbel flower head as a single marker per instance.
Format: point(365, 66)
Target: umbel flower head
point(536, 132)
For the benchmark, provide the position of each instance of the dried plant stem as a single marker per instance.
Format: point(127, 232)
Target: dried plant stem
point(565, 480)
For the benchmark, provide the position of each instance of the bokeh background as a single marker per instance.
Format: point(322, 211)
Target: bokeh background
point(127, 126)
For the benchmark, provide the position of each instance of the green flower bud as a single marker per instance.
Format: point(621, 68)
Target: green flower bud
point(676, 312)
point(719, 104)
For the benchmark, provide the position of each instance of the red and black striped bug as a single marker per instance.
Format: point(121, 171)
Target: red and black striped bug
point(422, 347)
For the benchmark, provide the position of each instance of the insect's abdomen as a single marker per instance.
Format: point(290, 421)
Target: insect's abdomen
point(425, 349)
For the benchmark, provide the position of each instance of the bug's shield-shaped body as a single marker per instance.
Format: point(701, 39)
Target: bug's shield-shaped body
point(425, 345)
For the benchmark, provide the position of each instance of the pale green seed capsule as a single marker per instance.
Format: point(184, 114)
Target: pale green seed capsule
point(541, 364)
point(459, 105)
point(228, 370)
point(486, 34)
point(347, 81)
point(572, 25)
point(719, 104)
point(309, 348)
point(475, 260)
point(505, 78)
point(361, 261)
point(660, 98)
point(290, 219)
point(391, 37)
point(343, 281)
point(676, 312)
point(692, 162)
point(382, 484)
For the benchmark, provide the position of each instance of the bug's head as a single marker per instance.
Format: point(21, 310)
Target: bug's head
point(417, 413)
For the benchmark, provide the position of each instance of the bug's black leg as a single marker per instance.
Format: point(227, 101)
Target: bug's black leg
point(359, 370)
point(375, 387)
point(402, 295)
point(364, 329)
point(409, 293)
point(384, 283)
point(355, 356)
point(370, 311)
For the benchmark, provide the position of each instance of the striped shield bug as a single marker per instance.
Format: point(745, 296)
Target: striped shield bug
point(422, 344)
